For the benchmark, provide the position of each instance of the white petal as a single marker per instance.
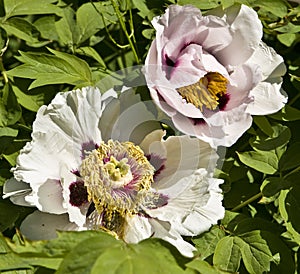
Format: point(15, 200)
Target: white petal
point(271, 63)
point(183, 155)
point(196, 201)
point(124, 116)
point(43, 226)
point(41, 159)
point(16, 191)
point(76, 214)
point(163, 230)
point(137, 229)
point(268, 98)
point(48, 197)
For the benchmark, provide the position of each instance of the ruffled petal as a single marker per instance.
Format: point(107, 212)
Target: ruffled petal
point(181, 155)
point(271, 64)
point(197, 201)
point(137, 228)
point(246, 31)
point(268, 98)
point(163, 230)
point(125, 118)
point(16, 191)
point(43, 226)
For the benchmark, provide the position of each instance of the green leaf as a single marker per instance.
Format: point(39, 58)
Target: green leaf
point(255, 252)
point(290, 159)
point(66, 28)
point(89, 19)
point(287, 39)
point(57, 247)
point(50, 69)
point(201, 4)
point(11, 158)
point(10, 111)
point(284, 214)
point(289, 28)
point(206, 242)
point(271, 186)
point(292, 206)
point(264, 125)
point(31, 102)
point(46, 26)
point(113, 256)
point(91, 52)
point(227, 255)
point(287, 113)
point(263, 161)
point(7, 131)
point(204, 267)
point(21, 29)
point(26, 7)
point(277, 7)
point(280, 137)
point(3, 41)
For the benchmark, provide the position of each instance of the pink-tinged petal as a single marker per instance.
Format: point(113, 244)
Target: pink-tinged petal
point(268, 98)
point(16, 191)
point(199, 128)
point(235, 122)
point(246, 31)
point(43, 226)
point(245, 78)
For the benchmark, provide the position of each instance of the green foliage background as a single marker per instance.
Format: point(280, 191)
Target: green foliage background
point(48, 46)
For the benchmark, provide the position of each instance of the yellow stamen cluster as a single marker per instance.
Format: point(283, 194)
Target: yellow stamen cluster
point(206, 92)
point(104, 177)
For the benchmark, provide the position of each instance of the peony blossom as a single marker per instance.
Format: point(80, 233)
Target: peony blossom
point(211, 73)
point(99, 162)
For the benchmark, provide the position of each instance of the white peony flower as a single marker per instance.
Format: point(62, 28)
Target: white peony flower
point(97, 162)
point(211, 73)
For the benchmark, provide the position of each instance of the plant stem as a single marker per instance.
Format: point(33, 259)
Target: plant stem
point(123, 26)
point(291, 172)
point(247, 202)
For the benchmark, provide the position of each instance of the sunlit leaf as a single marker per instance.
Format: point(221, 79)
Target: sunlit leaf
point(26, 7)
point(206, 242)
point(228, 255)
point(52, 69)
point(90, 21)
point(113, 256)
point(280, 137)
point(46, 26)
point(66, 27)
point(204, 267)
point(31, 102)
point(263, 161)
point(91, 52)
point(22, 29)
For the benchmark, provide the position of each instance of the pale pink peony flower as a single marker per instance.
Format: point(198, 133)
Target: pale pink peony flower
point(99, 162)
point(211, 73)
